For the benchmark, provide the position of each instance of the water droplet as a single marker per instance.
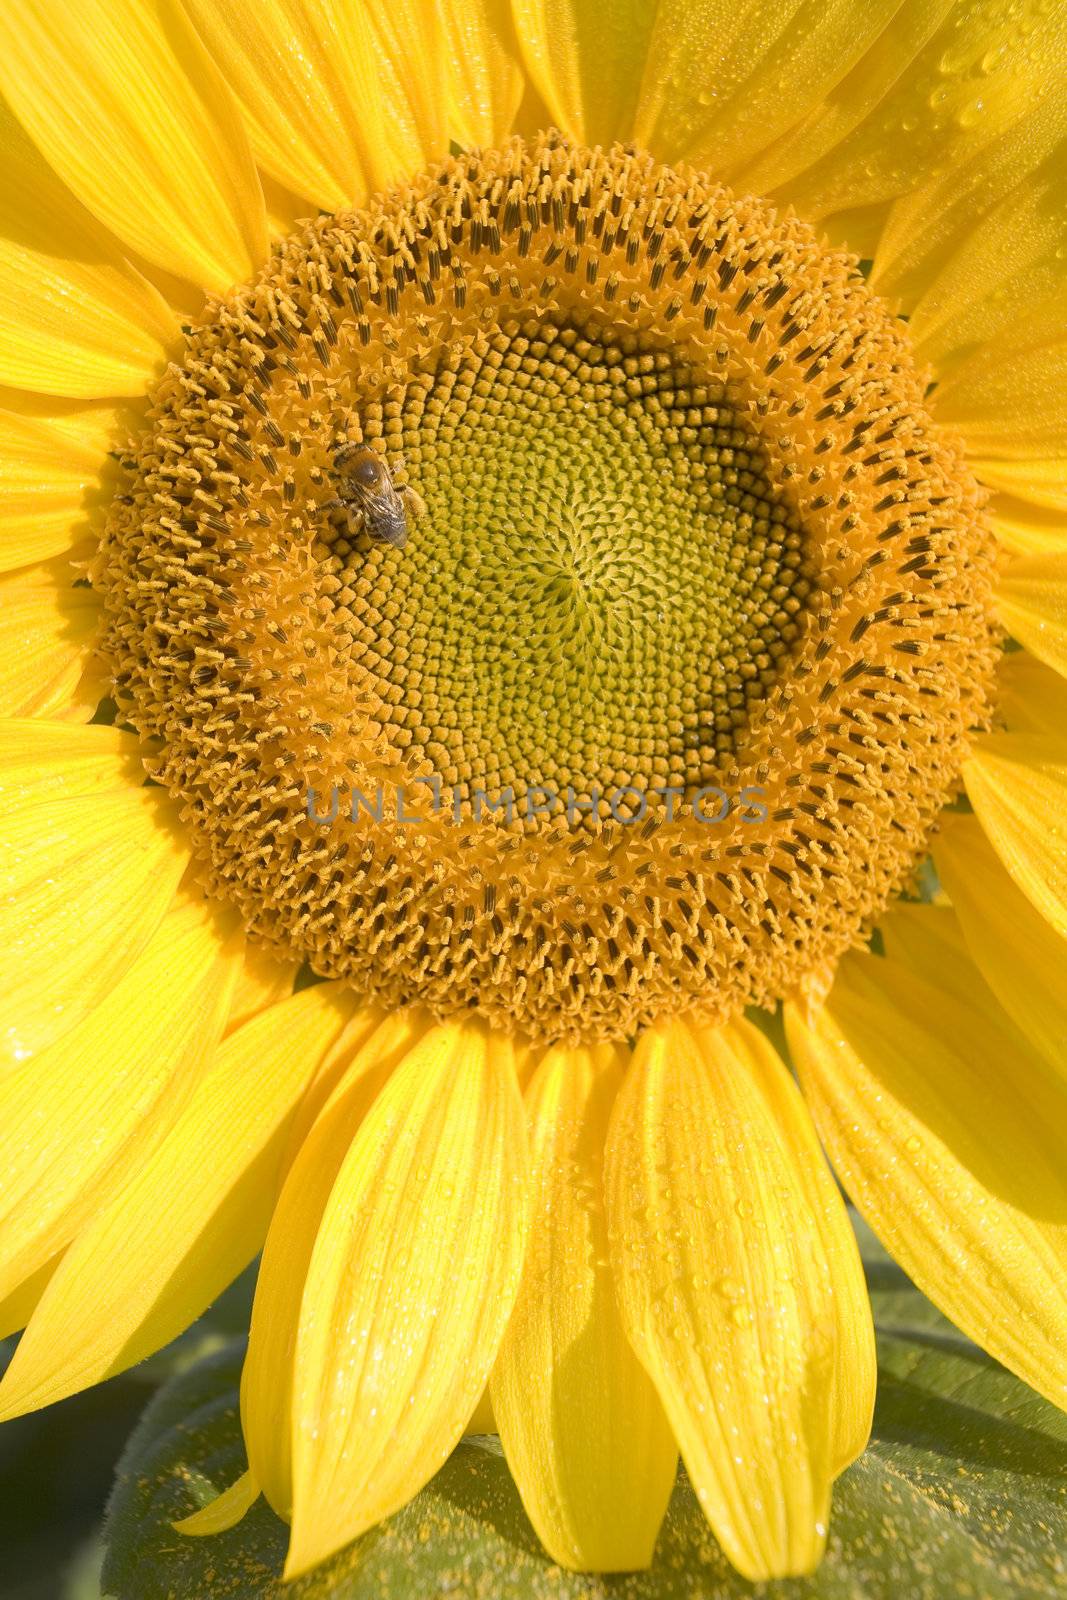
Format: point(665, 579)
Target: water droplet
point(970, 114)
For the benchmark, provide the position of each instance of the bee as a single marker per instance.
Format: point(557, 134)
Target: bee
point(370, 497)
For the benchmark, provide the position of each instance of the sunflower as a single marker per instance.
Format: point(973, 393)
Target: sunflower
point(474, 536)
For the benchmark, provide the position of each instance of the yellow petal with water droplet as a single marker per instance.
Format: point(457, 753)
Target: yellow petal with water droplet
point(586, 62)
point(1017, 784)
point(727, 1293)
point(140, 1271)
point(941, 83)
point(342, 101)
point(856, 1371)
point(723, 79)
point(1038, 484)
point(42, 761)
point(317, 1149)
point(949, 1138)
point(1010, 403)
point(972, 253)
point(413, 1275)
point(308, 80)
point(485, 77)
point(582, 1427)
point(823, 125)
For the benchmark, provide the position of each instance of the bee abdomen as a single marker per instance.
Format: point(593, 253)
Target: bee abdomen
point(389, 527)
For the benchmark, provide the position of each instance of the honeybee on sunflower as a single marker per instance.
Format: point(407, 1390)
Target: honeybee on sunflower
point(701, 503)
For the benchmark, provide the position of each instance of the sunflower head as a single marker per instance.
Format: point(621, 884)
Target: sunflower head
point(681, 650)
point(560, 599)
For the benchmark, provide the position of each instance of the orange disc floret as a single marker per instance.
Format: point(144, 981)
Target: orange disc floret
point(674, 518)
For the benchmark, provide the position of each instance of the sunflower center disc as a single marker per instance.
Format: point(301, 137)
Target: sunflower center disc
point(547, 594)
point(603, 581)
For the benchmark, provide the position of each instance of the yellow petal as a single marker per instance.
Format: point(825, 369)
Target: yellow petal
point(1040, 483)
point(726, 1293)
point(267, 1379)
point(1031, 698)
point(859, 229)
point(971, 254)
point(856, 1369)
point(481, 1419)
point(16, 1308)
point(85, 875)
point(75, 318)
point(125, 103)
point(340, 98)
point(191, 1213)
point(77, 1115)
point(49, 626)
point(582, 1428)
point(725, 78)
point(1032, 605)
point(950, 1142)
point(1024, 528)
point(306, 75)
point(827, 120)
point(413, 1275)
point(409, 44)
point(1010, 402)
point(286, 211)
point(223, 1512)
point(42, 761)
point(55, 480)
point(484, 73)
point(928, 938)
point(1024, 970)
point(587, 61)
point(346, 1062)
point(1017, 784)
point(938, 85)
point(263, 981)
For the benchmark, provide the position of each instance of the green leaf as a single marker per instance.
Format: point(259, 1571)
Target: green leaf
point(82, 1578)
point(962, 1492)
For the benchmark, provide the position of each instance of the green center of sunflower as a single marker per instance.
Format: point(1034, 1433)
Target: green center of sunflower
point(484, 561)
point(602, 580)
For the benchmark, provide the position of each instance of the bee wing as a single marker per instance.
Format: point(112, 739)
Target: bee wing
point(384, 511)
